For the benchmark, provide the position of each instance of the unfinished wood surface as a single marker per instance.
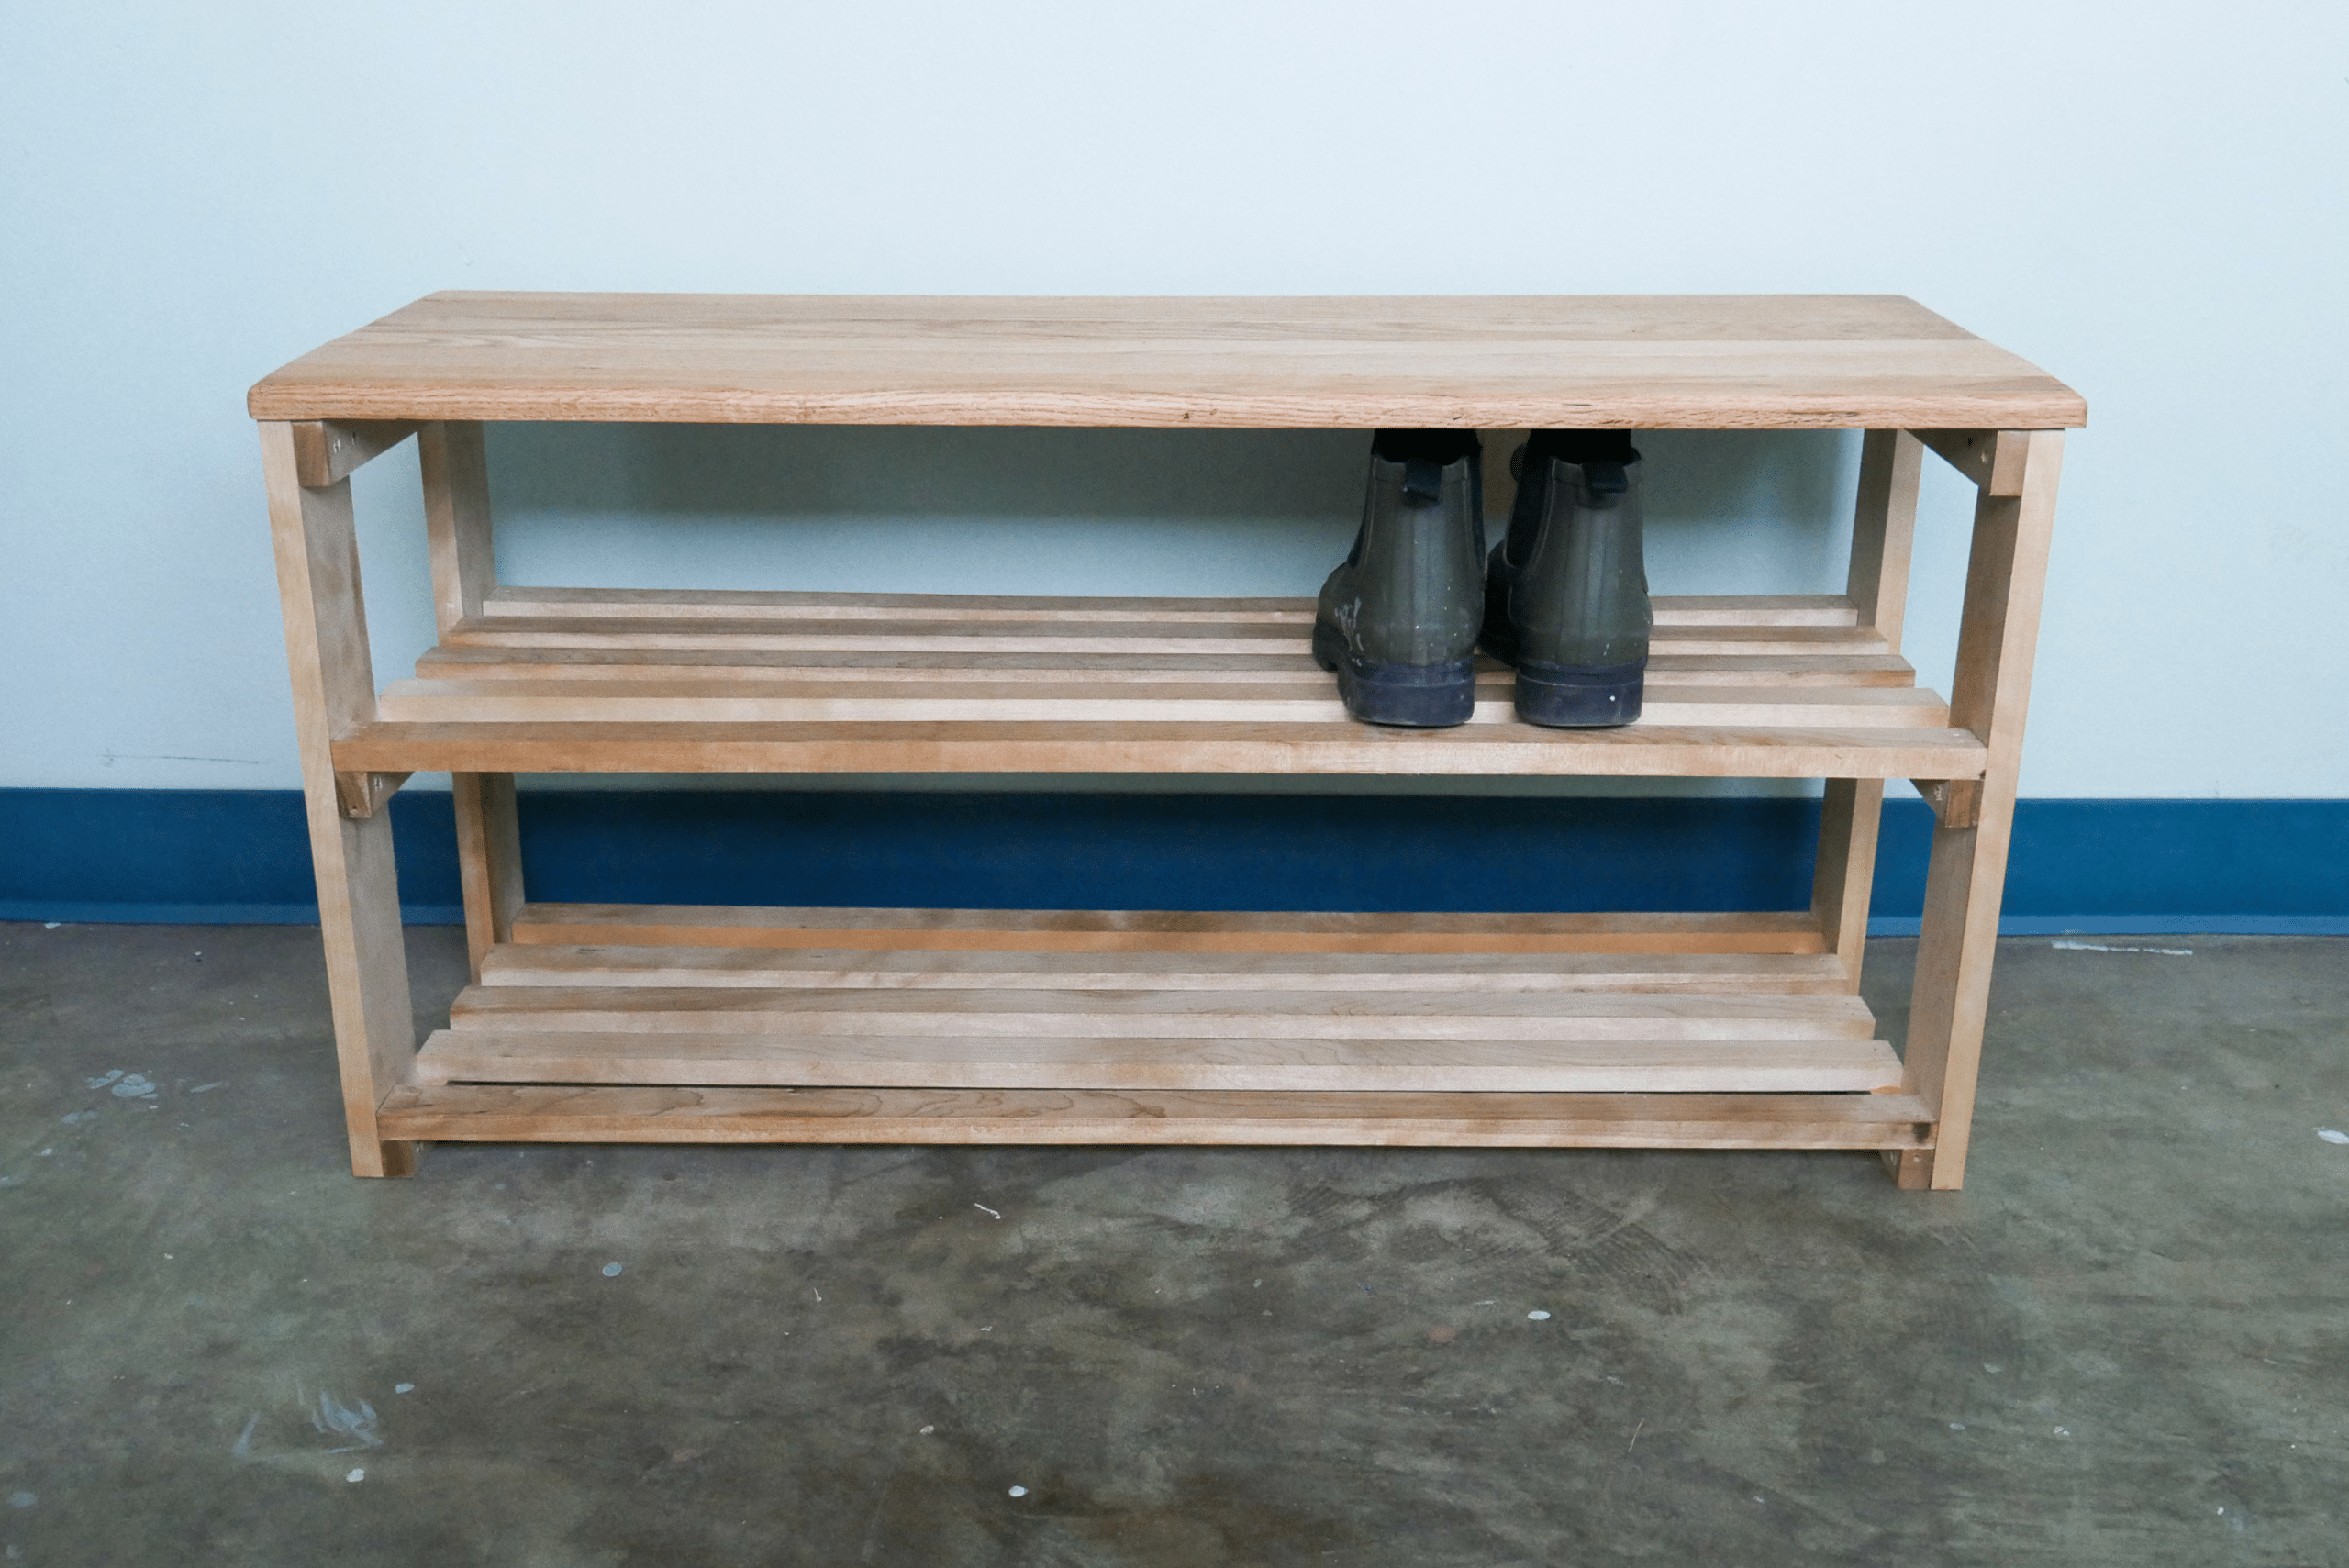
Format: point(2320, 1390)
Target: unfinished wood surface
point(951, 969)
point(511, 603)
point(1850, 812)
point(455, 463)
point(830, 699)
point(583, 1114)
point(1500, 482)
point(317, 550)
point(962, 1017)
point(1167, 931)
point(1639, 361)
point(1495, 749)
point(1271, 1063)
point(325, 452)
point(1990, 692)
point(363, 795)
point(1997, 466)
point(489, 860)
point(545, 680)
point(1883, 522)
point(1883, 531)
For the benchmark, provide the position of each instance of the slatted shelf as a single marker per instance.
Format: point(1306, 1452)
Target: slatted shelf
point(594, 1114)
point(1125, 1003)
point(554, 680)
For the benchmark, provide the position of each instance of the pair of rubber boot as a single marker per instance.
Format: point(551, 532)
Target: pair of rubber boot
point(1563, 598)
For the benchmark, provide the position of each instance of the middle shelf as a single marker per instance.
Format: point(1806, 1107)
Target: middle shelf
point(551, 679)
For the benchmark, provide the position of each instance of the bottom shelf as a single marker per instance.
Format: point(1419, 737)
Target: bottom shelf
point(571, 1113)
point(620, 1023)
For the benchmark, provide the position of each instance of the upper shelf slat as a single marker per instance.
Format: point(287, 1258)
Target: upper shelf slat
point(1705, 362)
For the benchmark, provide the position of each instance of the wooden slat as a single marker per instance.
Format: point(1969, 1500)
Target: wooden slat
point(1162, 931)
point(947, 640)
point(507, 602)
point(832, 700)
point(919, 969)
point(1638, 750)
point(1664, 670)
point(777, 605)
point(1492, 362)
point(966, 1015)
point(583, 1114)
point(1238, 1062)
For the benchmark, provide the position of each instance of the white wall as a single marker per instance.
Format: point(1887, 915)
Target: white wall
point(2146, 200)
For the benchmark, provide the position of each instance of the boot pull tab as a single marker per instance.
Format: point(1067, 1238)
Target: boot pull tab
point(1605, 478)
point(1423, 481)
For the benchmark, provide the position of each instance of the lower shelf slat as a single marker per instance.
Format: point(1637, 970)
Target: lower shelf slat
point(575, 1114)
point(1277, 1064)
point(1160, 931)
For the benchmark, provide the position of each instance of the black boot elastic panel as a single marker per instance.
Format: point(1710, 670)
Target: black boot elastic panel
point(1567, 593)
point(1397, 620)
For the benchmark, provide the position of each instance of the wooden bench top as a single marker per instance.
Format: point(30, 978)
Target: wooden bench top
point(1653, 361)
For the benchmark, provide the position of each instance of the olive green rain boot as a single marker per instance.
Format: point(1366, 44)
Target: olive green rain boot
point(1567, 593)
point(1397, 621)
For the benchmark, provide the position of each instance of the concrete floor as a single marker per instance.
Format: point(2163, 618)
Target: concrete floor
point(2127, 1342)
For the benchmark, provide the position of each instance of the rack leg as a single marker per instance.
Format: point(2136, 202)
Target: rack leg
point(359, 906)
point(1991, 696)
point(455, 460)
point(1839, 890)
point(1883, 522)
point(489, 860)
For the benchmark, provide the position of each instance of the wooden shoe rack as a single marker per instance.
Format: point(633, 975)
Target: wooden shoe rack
point(636, 1024)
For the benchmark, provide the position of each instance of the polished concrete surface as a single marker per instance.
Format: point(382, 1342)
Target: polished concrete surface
point(2126, 1343)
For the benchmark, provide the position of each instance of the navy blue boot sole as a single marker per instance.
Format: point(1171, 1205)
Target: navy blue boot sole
point(1414, 696)
point(1568, 696)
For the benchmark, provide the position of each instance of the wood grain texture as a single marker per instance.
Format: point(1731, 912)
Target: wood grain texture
point(316, 548)
point(1160, 931)
point(1883, 522)
point(363, 795)
point(584, 1114)
point(489, 860)
point(1965, 877)
point(454, 459)
point(960, 1017)
point(1640, 361)
point(1264, 1065)
point(654, 967)
point(1994, 465)
point(556, 680)
point(327, 451)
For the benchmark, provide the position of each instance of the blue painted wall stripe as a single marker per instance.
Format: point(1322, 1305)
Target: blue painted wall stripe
point(2086, 865)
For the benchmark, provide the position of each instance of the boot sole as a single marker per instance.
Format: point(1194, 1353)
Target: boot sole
point(1563, 696)
point(1412, 697)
